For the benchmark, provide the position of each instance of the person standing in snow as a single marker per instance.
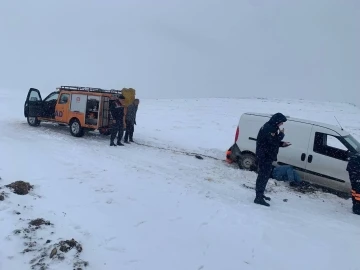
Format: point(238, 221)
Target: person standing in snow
point(268, 141)
point(131, 120)
point(118, 120)
point(353, 169)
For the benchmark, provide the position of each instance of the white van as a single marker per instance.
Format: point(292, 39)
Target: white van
point(319, 152)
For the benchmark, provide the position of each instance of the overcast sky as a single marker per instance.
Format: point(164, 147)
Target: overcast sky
point(185, 48)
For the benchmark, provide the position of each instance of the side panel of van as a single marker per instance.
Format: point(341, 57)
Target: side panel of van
point(62, 108)
point(78, 107)
point(298, 134)
point(249, 126)
point(326, 160)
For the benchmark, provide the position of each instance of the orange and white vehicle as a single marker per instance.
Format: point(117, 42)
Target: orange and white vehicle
point(82, 108)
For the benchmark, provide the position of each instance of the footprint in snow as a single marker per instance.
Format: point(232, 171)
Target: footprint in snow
point(119, 250)
point(175, 219)
point(109, 201)
point(203, 224)
point(141, 222)
point(110, 239)
point(131, 261)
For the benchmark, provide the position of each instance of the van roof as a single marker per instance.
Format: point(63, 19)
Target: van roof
point(306, 121)
point(88, 89)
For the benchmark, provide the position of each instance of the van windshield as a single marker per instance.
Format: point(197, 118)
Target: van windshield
point(353, 142)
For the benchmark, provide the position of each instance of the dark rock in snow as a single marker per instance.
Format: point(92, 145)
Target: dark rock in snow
point(20, 187)
point(53, 252)
point(67, 245)
point(38, 222)
point(3, 195)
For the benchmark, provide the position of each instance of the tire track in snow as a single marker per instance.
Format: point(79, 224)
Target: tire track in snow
point(197, 155)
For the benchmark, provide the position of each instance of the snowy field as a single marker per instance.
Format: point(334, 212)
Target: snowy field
point(138, 207)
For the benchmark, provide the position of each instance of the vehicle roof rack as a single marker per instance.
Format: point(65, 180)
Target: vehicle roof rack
point(89, 89)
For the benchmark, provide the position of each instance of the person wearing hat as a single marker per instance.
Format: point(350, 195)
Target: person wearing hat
point(118, 120)
point(268, 141)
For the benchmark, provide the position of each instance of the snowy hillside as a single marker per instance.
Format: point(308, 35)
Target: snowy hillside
point(150, 207)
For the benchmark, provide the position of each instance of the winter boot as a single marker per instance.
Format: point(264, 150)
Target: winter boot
point(260, 200)
point(356, 211)
point(266, 198)
point(112, 144)
point(120, 144)
point(356, 207)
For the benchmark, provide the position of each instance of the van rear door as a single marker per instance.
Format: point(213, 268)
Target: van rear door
point(327, 159)
point(298, 134)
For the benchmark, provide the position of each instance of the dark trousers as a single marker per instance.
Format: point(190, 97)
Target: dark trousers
point(116, 129)
point(129, 133)
point(355, 191)
point(264, 173)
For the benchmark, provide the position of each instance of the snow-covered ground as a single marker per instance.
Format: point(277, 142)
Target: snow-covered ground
point(138, 207)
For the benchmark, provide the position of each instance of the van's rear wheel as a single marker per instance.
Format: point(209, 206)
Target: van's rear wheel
point(33, 121)
point(75, 128)
point(247, 162)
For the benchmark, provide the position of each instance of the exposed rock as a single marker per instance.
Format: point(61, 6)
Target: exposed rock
point(20, 187)
point(53, 252)
point(38, 222)
point(67, 245)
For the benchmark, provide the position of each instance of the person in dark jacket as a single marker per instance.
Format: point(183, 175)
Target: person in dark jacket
point(131, 120)
point(353, 169)
point(268, 141)
point(118, 115)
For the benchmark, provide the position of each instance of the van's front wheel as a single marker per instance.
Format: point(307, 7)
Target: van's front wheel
point(33, 121)
point(247, 162)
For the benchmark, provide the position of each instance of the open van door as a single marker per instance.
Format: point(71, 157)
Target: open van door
point(33, 104)
point(33, 107)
